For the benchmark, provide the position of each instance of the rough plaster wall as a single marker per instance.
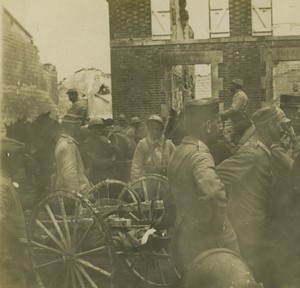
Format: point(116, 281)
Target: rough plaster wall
point(29, 88)
point(88, 83)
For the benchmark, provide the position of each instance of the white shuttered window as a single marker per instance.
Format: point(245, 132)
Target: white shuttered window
point(261, 17)
point(161, 19)
point(219, 18)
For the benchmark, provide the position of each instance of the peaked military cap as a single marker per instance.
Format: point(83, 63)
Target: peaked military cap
point(265, 115)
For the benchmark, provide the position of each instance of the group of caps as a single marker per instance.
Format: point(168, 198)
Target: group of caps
point(208, 107)
point(194, 109)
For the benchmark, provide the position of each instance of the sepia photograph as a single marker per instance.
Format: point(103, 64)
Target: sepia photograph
point(150, 143)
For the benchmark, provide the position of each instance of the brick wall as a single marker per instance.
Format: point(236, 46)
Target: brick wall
point(137, 74)
point(240, 17)
point(29, 88)
point(129, 18)
point(140, 75)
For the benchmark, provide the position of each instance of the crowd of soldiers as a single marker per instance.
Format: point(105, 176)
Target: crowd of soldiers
point(236, 205)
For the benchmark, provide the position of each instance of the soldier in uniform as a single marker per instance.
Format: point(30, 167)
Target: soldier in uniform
point(248, 177)
point(152, 154)
point(70, 170)
point(79, 106)
point(198, 193)
point(239, 100)
point(236, 119)
point(15, 270)
point(98, 153)
point(123, 126)
point(283, 210)
point(139, 129)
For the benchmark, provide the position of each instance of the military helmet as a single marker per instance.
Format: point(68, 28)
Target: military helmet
point(135, 120)
point(218, 268)
point(155, 118)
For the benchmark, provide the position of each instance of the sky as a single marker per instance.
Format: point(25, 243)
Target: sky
point(74, 34)
point(70, 34)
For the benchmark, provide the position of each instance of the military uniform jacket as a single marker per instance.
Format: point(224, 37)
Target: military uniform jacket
point(12, 219)
point(239, 104)
point(97, 154)
point(200, 201)
point(151, 157)
point(70, 169)
point(247, 177)
point(79, 108)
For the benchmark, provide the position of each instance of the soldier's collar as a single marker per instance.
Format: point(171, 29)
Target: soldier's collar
point(69, 137)
point(160, 141)
point(262, 145)
point(194, 141)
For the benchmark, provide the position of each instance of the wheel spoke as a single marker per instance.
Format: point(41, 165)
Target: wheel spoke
point(87, 276)
point(48, 263)
point(133, 262)
point(84, 235)
point(161, 273)
point(64, 215)
point(73, 278)
point(147, 269)
point(145, 190)
point(78, 275)
point(67, 278)
point(158, 196)
point(56, 277)
point(40, 245)
point(91, 251)
point(175, 270)
point(63, 239)
point(107, 189)
point(78, 212)
point(50, 234)
point(92, 266)
point(122, 193)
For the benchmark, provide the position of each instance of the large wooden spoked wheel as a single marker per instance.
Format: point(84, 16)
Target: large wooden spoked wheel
point(156, 268)
point(108, 195)
point(70, 244)
point(155, 265)
point(152, 189)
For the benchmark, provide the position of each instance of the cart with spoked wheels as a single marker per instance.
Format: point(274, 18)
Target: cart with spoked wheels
point(76, 241)
point(144, 251)
point(71, 245)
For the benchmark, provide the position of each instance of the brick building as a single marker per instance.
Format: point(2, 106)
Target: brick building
point(29, 88)
point(143, 57)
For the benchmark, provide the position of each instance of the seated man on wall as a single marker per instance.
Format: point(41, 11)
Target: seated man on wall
point(79, 106)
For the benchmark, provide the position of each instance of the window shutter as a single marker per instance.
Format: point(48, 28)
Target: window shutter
point(261, 17)
point(219, 18)
point(161, 19)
